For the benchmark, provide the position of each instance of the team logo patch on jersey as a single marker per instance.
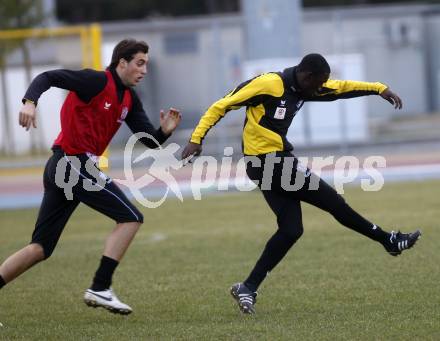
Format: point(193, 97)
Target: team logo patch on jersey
point(107, 105)
point(280, 113)
point(124, 113)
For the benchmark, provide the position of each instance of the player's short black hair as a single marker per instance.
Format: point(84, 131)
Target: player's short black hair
point(126, 49)
point(314, 63)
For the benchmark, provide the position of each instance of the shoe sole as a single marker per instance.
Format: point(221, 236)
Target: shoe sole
point(395, 254)
point(243, 309)
point(93, 304)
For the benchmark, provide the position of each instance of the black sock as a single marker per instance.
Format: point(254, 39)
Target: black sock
point(274, 251)
point(2, 282)
point(104, 274)
point(380, 235)
point(327, 199)
point(353, 220)
point(253, 279)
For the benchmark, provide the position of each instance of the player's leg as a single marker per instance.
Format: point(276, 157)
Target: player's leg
point(112, 202)
point(47, 232)
point(290, 229)
point(107, 198)
point(119, 239)
point(289, 220)
point(326, 198)
point(19, 262)
point(54, 213)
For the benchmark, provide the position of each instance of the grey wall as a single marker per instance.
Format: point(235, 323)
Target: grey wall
point(432, 33)
point(399, 44)
point(193, 61)
point(390, 37)
point(196, 60)
point(272, 28)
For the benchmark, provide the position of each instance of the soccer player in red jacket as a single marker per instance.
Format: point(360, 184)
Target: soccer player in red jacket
point(94, 109)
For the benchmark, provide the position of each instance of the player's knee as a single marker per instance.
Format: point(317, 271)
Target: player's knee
point(291, 232)
point(38, 252)
point(138, 225)
point(336, 204)
point(291, 236)
point(290, 226)
point(299, 232)
point(295, 233)
point(136, 217)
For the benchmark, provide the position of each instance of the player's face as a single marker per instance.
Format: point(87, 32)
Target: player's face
point(313, 82)
point(132, 72)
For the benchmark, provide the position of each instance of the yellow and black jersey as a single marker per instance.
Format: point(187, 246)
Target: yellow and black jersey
point(272, 101)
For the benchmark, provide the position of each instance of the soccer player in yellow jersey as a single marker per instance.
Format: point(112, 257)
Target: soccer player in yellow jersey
point(272, 100)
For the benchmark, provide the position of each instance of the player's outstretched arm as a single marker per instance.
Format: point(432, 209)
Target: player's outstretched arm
point(248, 93)
point(391, 97)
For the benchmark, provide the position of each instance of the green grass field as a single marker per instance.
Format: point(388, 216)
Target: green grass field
point(333, 285)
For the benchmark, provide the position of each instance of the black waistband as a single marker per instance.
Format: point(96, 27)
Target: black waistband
point(57, 149)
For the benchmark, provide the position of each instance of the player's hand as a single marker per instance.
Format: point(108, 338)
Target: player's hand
point(28, 115)
point(192, 149)
point(392, 98)
point(170, 120)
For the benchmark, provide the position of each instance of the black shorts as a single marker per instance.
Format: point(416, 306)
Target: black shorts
point(285, 184)
point(284, 174)
point(69, 180)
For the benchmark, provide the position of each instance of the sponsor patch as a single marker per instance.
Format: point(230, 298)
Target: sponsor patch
point(280, 113)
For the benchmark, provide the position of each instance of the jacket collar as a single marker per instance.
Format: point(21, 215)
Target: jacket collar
point(290, 80)
point(117, 79)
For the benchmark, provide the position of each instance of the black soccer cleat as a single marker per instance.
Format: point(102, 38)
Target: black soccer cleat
point(245, 298)
point(401, 241)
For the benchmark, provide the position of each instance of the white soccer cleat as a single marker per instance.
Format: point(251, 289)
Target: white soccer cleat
point(106, 299)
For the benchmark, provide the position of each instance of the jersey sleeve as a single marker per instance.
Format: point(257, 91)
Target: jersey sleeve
point(249, 93)
point(138, 122)
point(335, 89)
point(85, 83)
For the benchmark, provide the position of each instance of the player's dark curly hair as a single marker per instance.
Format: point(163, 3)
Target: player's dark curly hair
point(314, 63)
point(126, 49)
